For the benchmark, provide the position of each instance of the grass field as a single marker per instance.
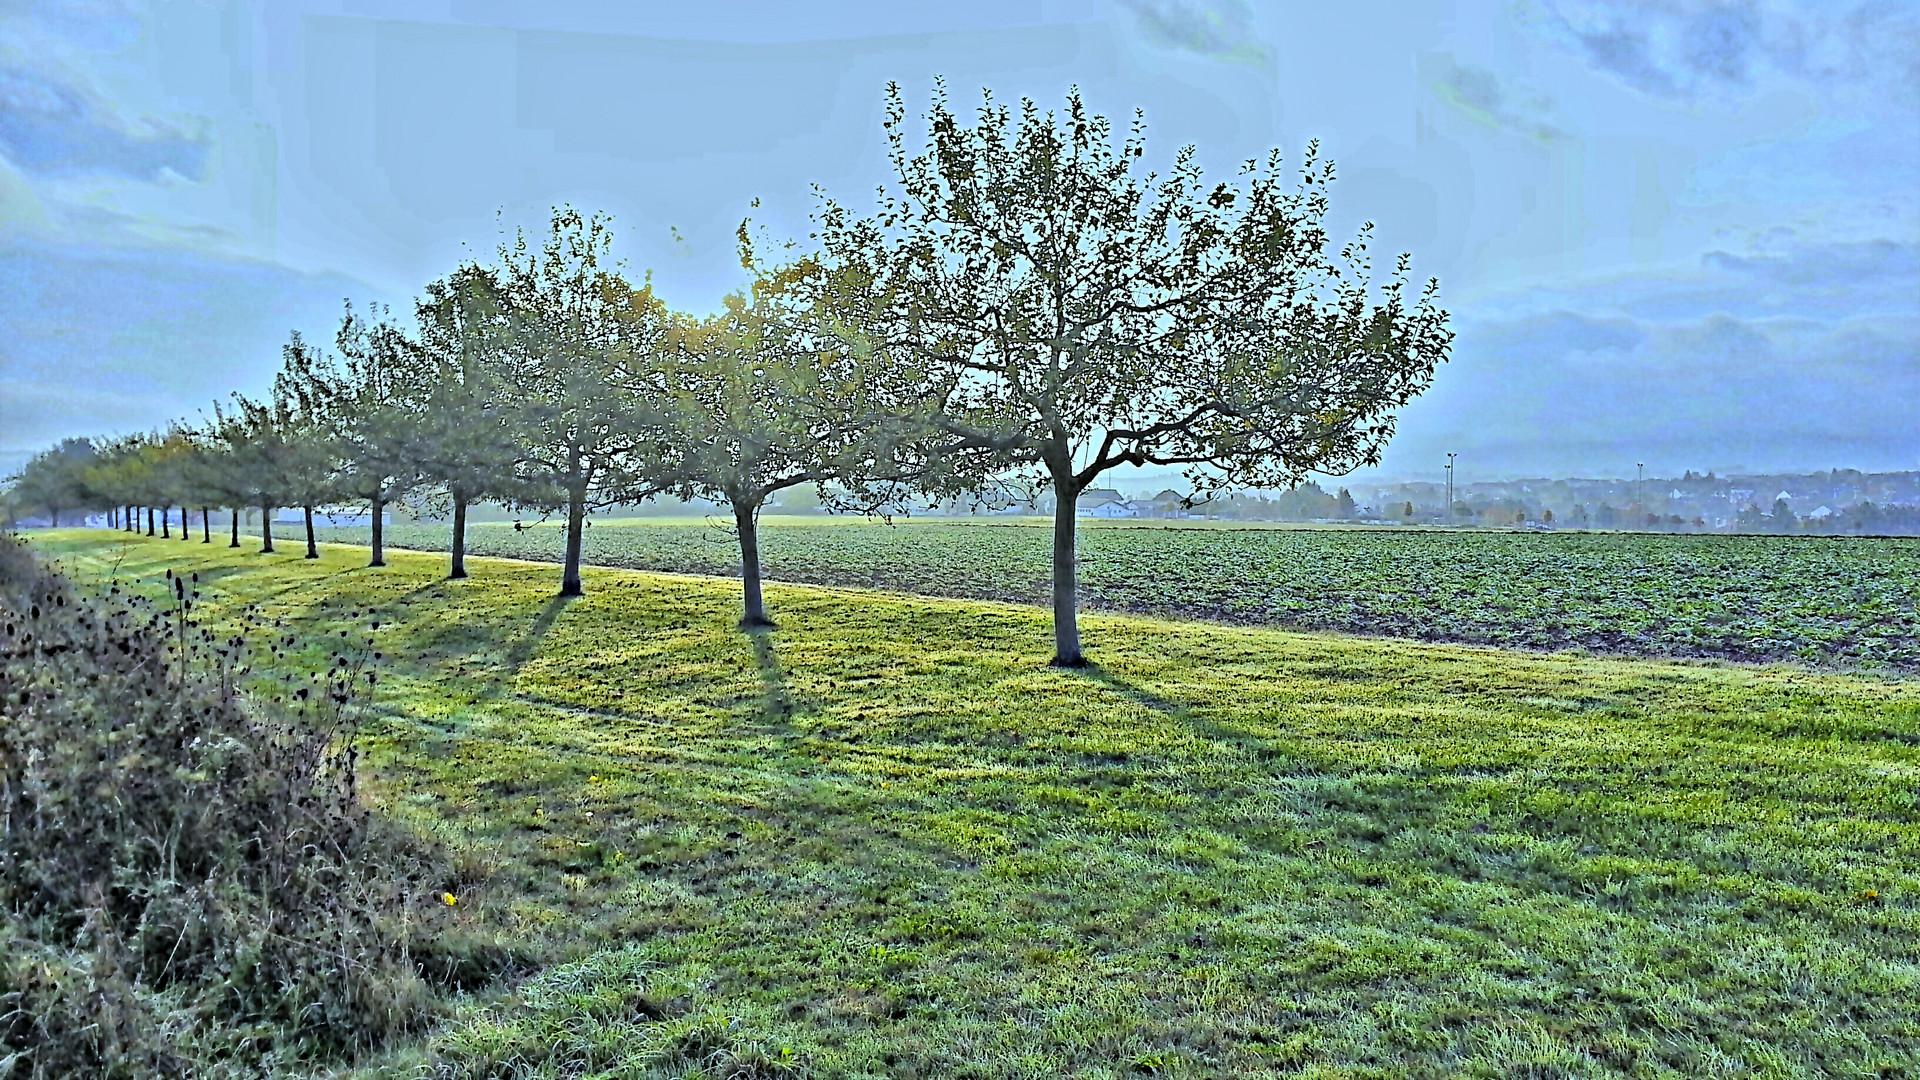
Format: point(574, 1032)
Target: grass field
point(1845, 602)
point(886, 840)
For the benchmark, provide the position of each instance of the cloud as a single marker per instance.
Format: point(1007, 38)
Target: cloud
point(20, 206)
point(1479, 94)
point(1832, 265)
point(1219, 29)
point(49, 127)
point(96, 25)
point(1778, 278)
point(1694, 48)
point(101, 340)
point(1789, 357)
point(1560, 333)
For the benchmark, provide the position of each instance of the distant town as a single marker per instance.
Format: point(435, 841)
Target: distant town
point(1841, 502)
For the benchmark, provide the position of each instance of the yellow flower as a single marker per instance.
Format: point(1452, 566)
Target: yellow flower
point(449, 899)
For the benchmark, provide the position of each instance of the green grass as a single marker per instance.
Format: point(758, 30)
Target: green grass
point(887, 840)
point(1837, 602)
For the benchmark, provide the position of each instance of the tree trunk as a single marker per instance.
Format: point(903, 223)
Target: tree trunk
point(166, 523)
point(149, 521)
point(459, 535)
point(233, 519)
point(186, 528)
point(206, 524)
point(313, 549)
point(53, 516)
point(576, 526)
point(379, 537)
point(1066, 617)
point(266, 530)
point(753, 614)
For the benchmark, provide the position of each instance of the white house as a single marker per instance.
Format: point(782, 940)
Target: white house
point(1104, 503)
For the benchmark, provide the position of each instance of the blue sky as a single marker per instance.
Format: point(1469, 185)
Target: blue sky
point(1685, 233)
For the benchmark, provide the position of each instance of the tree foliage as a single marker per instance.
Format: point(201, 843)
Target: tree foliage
point(581, 357)
point(1072, 313)
point(762, 398)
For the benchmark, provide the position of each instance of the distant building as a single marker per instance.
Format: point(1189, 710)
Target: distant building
point(1167, 504)
point(1104, 503)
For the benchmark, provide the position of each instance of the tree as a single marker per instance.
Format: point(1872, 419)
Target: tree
point(307, 414)
point(55, 479)
point(1344, 506)
point(231, 459)
point(112, 477)
point(366, 409)
point(258, 445)
point(757, 403)
point(464, 445)
point(208, 471)
point(1304, 502)
point(582, 346)
point(1782, 515)
point(1072, 315)
point(171, 476)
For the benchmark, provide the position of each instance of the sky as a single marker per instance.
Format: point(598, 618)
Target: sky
point(1684, 233)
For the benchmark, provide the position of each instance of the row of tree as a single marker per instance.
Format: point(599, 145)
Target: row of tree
point(1024, 307)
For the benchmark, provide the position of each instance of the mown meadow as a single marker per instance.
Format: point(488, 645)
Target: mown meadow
point(1825, 601)
point(886, 839)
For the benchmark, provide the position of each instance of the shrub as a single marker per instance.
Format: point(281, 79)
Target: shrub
point(190, 883)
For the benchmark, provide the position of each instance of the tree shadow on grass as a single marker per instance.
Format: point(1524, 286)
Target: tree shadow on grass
point(433, 587)
point(1173, 710)
point(523, 648)
point(776, 702)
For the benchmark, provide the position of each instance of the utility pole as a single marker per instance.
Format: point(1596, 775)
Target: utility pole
point(1640, 486)
point(1450, 458)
